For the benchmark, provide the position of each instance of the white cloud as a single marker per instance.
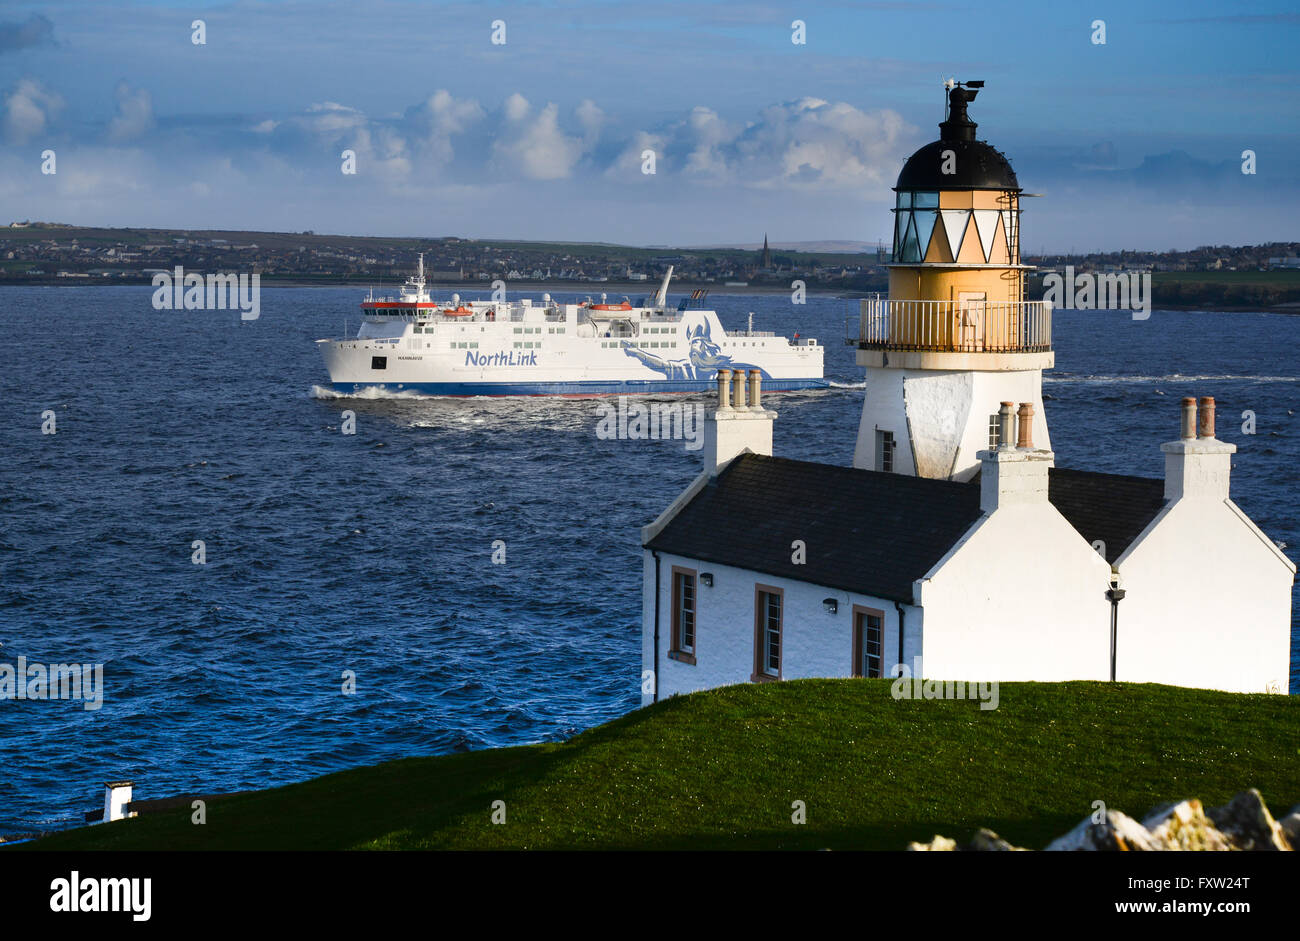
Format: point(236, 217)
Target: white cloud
point(708, 135)
point(627, 165)
point(800, 144)
point(817, 143)
point(28, 110)
point(440, 118)
point(535, 146)
point(516, 107)
point(134, 114)
point(382, 152)
point(332, 120)
point(592, 119)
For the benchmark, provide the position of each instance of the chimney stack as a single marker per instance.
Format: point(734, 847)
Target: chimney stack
point(734, 427)
point(1015, 473)
point(1197, 465)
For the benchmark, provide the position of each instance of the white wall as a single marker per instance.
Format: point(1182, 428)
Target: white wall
point(1021, 597)
point(949, 413)
point(648, 617)
point(1208, 602)
point(815, 643)
point(990, 390)
point(882, 407)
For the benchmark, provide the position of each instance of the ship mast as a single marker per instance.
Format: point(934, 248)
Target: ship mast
point(661, 297)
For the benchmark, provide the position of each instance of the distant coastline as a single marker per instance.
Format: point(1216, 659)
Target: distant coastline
point(617, 289)
point(1217, 278)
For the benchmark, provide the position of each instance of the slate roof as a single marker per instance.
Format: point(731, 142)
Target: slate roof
point(870, 532)
point(865, 531)
point(1110, 507)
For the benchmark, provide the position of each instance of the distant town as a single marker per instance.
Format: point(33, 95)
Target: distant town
point(1227, 277)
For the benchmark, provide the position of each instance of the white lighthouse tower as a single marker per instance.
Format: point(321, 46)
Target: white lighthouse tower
point(955, 337)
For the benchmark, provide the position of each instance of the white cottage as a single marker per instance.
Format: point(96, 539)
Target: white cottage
point(767, 568)
point(954, 545)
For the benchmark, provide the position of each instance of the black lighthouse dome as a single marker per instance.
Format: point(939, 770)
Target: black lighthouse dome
point(978, 165)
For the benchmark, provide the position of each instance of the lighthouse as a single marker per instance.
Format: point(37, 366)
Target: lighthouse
point(955, 337)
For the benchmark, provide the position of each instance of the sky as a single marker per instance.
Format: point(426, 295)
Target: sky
point(1134, 143)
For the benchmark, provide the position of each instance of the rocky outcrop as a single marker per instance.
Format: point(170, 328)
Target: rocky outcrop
point(1244, 823)
point(984, 841)
point(1290, 825)
point(1115, 832)
point(938, 844)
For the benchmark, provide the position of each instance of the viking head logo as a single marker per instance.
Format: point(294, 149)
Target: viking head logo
point(703, 352)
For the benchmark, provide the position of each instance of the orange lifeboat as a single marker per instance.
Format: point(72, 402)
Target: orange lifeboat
point(461, 311)
point(623, 306)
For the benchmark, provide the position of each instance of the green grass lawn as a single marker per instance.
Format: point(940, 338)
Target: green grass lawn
point(720, 770)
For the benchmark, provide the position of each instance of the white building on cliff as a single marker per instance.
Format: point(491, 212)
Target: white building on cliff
point(954, 542)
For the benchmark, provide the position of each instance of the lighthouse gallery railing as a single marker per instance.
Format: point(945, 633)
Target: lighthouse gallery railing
point(965, 326)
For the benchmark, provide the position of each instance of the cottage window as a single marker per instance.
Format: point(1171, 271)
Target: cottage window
point(767, 632)
point(885, 451)
point(683, 637)
point(868, 642)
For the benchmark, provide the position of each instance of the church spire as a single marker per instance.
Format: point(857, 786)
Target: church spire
point(767, 253)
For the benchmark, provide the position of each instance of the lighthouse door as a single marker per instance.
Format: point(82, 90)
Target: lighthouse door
point(968, 330)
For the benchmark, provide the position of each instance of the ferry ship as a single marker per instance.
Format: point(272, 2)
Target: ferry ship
point(409, 342)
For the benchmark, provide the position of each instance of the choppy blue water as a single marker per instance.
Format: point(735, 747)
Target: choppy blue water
point(372, 552)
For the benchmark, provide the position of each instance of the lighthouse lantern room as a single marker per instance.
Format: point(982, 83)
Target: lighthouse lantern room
point(955, 337)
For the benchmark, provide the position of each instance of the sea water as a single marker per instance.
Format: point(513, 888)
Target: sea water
point(473, 564)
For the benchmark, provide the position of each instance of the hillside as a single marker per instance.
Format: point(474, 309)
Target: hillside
point(720, 770)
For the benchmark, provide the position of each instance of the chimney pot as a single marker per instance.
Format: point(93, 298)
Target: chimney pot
point(1205, 420)
point(1188, 428)
point(738, 387)
point(755, 394)
point(724, 390)
point(1025, 438)
point(1006, 430)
